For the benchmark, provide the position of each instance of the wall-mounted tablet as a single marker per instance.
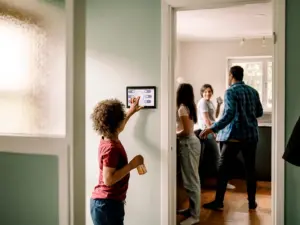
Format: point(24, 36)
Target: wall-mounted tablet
point(147, 95)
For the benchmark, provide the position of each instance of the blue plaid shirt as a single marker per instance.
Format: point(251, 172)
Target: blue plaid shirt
point(242, 107)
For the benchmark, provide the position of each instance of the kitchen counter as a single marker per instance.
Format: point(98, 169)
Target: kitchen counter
point(196, 126)
point(263, 156)
point(264, 124)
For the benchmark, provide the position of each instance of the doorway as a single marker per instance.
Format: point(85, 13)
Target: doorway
point(170, 21)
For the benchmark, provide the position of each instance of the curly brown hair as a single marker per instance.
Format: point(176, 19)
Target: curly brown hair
point(108, 116)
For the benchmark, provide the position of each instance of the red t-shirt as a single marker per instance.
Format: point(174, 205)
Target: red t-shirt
point(111, 154)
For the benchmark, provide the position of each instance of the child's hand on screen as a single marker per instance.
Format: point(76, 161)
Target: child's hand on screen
point(134, 105)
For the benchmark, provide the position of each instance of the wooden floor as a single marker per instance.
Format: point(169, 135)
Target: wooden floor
point(236, 207)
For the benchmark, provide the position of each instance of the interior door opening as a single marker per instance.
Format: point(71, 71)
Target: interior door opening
point(208, 43)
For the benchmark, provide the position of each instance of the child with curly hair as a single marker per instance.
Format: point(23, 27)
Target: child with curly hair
point(108, 198)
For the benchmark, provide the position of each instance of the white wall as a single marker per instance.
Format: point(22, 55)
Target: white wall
point(123, 48)
point(206, 62)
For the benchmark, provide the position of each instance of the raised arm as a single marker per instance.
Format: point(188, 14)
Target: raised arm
point(218, 110)
point(135, 107)
point(229, 112)
point(128, 115)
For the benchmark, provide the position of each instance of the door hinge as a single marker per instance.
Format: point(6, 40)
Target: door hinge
point(274, 38)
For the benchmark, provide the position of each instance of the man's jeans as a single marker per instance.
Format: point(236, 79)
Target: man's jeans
point(229, 153)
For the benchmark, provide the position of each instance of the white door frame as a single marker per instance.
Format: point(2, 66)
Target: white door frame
point(168, 121)
point(75, 111)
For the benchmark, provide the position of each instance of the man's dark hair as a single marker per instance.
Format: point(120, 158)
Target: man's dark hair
point(237, 73)
point(108, 116)
point(204, 87)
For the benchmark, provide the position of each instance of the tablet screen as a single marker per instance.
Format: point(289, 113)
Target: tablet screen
point(147, 96)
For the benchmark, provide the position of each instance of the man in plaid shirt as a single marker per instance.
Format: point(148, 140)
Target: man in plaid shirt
point(237, 131)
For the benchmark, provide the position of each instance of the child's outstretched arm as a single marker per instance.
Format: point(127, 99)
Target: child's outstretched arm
point(135, 107)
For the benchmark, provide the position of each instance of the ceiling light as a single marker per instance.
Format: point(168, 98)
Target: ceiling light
point(263, 44)
point(260, 15)
point(242, 42)
point(180, 80)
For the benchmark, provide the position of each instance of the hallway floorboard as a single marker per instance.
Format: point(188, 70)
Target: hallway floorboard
point(236, 207)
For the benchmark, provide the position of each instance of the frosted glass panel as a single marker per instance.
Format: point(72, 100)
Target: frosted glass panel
point(32, 72)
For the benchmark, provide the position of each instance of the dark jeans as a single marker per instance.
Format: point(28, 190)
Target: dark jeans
point(229, 153)
point(211, 157)
point(107, 212)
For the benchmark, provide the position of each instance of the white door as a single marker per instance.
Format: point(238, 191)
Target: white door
point(35, 100)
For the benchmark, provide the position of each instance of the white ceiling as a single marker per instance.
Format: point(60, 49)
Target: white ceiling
point(246, 21)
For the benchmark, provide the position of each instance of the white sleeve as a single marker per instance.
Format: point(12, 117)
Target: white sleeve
point(183, 111)
point(202, 106)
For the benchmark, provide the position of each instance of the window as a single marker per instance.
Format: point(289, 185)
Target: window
point(32, 86)
point(16, 55)
point(257, 74)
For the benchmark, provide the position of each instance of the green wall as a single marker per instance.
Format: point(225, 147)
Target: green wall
point(292, 184)
point(28, 189)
